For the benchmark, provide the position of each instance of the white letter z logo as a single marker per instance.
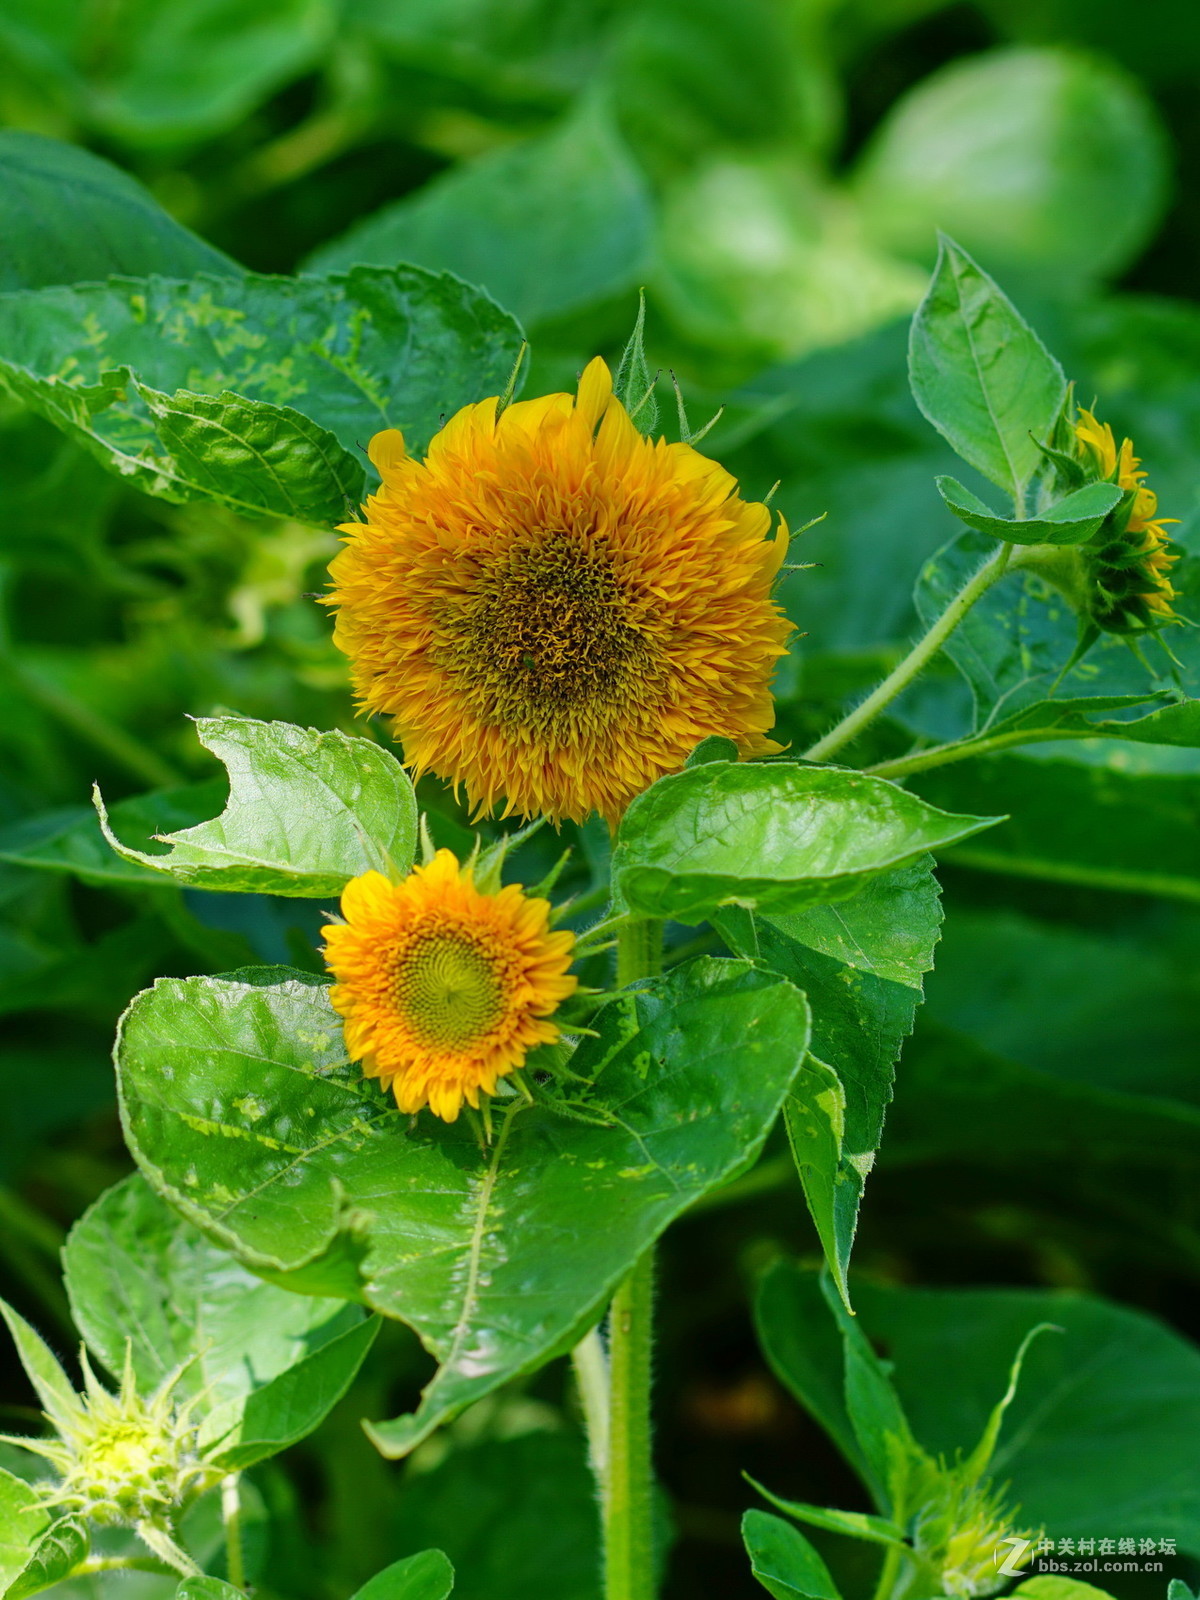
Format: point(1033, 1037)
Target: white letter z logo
point(1010, 1567)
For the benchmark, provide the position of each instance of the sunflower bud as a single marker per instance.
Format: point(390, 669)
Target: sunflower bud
point(1117, 582)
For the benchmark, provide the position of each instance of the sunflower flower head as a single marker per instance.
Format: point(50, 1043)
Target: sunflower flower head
point(444, 987)
point(553, 610)
point(124, 1460)
point(960, 1536)
point(1128, 560)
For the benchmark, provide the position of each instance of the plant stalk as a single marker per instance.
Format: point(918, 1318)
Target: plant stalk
point(231, 1517)
point(917, 659)
point(628, 1499)
point(628, 1503)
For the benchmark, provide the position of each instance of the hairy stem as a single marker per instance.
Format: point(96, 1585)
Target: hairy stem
point(629, 1481)
point(231, 1517)
point(941, 755)
point(917, 659)
point(628, 1503)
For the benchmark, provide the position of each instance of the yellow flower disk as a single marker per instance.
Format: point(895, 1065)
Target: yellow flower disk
point(443, 988)
point(553, 610)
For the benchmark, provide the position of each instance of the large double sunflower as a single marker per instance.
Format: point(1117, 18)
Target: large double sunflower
point(553, 610)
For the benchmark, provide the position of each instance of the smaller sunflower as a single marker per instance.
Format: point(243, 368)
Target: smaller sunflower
point(1132, 554)
point(444, 988)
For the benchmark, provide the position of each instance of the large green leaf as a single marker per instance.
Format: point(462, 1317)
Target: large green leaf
point(67, 216)
point(516, 1517)
point(1049, 161)
point(980, 373)
point(256, 392)
point(23, 1520)
point(307, 811)
point(241, 1109)
point(861, 964)
point(783, 1560)
point(775, 838)
point(1100, 1436)
point(266, 1365)
point(547, 226)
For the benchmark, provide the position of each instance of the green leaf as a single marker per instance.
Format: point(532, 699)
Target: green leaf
point(1100, 1436)
point(1102, 827)
point(307, 811)
point(67, 215)
point(242, 1111)
point(1072, 520)
point(60, 1550)
point(547, 226)
point(776, 838)
point(427, 1576)
point(23, 1521)
point(152, 75)
point(1052, 1587)
point(259, 392)
point(872, 1404)
point(508, 1511)
point(783, 1561)
point(980, 374)
point(1048, 161)
point(633, 386)
point(202, 1587)
point(815, 1118)
point(861, 964)
point(54, 1389)
point(69, 839)
point(266, 1365)
point(854, 1524)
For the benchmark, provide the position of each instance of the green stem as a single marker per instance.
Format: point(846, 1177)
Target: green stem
point(941, 755)
point(628, 1497)
point(915, 661)
point(628, 1503)
point(95, 1564)
point(591, 1376)
point(639, 950)
point(889, 1572)
point(231, 1516)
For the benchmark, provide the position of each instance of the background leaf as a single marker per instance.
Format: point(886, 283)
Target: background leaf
point(980, 374)
point(67, 216)
point(783, 1561)
point(320, 363)
point(547, 226)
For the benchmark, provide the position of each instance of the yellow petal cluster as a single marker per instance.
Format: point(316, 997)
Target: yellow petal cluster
point(1147, 531)
point(444, 988)
point(552, 610)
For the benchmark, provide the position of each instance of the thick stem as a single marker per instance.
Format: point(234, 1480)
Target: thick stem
point(917, 659)
point(231, 1516)
point(628, 1504)
point(627, 1509)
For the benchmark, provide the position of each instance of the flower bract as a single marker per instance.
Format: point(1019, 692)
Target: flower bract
point(552, 610)
point(444, 988)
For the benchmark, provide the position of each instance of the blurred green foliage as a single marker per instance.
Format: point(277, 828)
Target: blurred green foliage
point(774, 173)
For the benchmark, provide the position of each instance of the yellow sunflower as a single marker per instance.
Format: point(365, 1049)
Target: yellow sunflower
point(1134, 580)
point(443, 988)
point(553, 610)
